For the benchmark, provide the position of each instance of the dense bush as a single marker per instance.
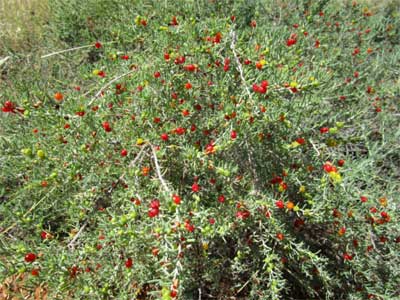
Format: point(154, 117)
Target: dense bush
point(199, 150)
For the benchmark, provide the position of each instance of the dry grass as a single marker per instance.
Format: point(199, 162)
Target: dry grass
point(371, 4)
point(13, 289)
point(21, 24)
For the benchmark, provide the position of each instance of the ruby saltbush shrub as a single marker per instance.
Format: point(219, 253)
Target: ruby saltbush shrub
point(207, 150)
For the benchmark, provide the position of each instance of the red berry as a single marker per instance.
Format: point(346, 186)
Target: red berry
point(301, 141)
point(341, 162)
point(256, 88)
point(154, 208)
point(129, 263)
point(124, 152)
point(164, 137)
point(155, 251)
point(280, 204)
point(58, 96)
point(324, 130)
point(30, 257)
point(8, 106)
point(157, 74)
point(342, 231)
point(291, 42)
point(217, 38)
point(180, 130)
point(181, 59)
point(233, 134)
point(176, 199)
point(189, 227)
point(195, 187)
point(262, 89)
point(174, 21)
point(153, 212)
point(190, 68)
point(328, 167)
point(356, 51)
point(155, 204)
point(347, 256)
point(106, 126)
point(35, 272)
point(264, 83)
point(226, 67)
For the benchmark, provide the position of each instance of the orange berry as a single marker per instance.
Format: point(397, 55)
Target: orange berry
point(342, 231)
point(289, 205)
point(58, 96)
point(383, 201)
point(145, 171)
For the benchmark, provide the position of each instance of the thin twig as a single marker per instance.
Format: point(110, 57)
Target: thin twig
point(74, 49)
point(315, 148)
point(108, 84)
point(178, 265)
point(29, 211)
point(133, 162)
point(72, 243)
point(239, 66)
point(243, 286)
point(252, 164)
point(158, 171)
point(67, 50)
point(4, 60)
point(371, 236)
